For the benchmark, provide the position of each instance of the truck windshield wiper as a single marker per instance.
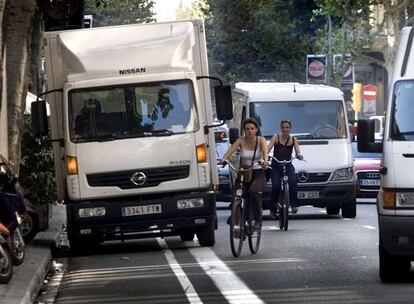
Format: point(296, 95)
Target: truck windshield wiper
point(159, 132)
point(106, 137)
point(407, 133)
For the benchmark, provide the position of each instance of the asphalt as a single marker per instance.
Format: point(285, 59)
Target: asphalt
point(28, 277)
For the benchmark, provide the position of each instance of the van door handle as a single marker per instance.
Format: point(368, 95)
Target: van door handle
point(408, 155)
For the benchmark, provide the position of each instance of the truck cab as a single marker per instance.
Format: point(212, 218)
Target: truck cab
point(130, 118)
point(395, 201)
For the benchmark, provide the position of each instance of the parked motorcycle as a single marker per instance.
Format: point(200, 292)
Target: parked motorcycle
point(11, 208)
point(6, 263)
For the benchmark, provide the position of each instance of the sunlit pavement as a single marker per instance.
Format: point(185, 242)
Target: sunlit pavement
point(320, 258)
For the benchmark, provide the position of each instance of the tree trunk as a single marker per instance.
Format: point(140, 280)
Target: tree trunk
point(2, 6)
point(18, 27)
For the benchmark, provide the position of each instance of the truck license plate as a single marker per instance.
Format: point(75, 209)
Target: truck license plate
point(369, 182)
point(141, 210)
point(308, 194)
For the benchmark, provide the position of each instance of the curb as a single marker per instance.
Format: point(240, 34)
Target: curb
point(28, 277)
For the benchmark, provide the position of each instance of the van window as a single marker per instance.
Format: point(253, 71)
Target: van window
point(310, 119)
point(402, 123)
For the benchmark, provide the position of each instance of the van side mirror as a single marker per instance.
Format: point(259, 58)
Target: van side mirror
point(224, 106)
point(366, 136)
point(39, 118)
point(233, 135)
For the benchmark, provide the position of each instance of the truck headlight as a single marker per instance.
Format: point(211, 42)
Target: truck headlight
point(343, 174)
point(92, 212)
point(190, 203)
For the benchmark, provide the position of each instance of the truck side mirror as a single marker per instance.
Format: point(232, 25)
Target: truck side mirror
point(39, 118)
point(366, 136)
point(233, 134)
point(224, 106)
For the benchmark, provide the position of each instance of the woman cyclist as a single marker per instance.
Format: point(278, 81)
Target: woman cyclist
point(253, 150)
point(283, 145)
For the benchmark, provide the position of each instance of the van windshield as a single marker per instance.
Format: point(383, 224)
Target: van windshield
point(135, 110)
point(310, 119)
point(402, 123)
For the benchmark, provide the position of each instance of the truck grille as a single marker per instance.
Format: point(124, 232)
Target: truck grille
point(122, 179)
point(321, 177)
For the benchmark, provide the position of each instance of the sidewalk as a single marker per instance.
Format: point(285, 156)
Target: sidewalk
point(28, 277)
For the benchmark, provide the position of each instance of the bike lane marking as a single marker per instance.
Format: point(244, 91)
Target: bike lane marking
point(230, 285)
point(369, 227)
point(185, 282)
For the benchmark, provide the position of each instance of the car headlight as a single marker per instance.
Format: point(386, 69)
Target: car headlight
point(343, 174)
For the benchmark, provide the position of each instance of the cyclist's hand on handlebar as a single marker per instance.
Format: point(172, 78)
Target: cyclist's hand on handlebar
point(299, 156)
point(264, 164)
point(222, 162)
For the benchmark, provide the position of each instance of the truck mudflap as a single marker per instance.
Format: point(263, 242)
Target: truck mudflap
point(141, 217)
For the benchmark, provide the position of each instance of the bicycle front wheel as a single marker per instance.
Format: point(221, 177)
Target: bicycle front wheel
point(236, 228)
point(254, 238)
point(285, 210)
point(280, 212)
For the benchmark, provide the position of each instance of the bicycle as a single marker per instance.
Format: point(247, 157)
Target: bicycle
point(240, 221)
point(283, 203)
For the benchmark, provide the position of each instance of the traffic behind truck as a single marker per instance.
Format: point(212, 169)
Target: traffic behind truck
point(319, 122)
point(395, 201)
point(131, 114)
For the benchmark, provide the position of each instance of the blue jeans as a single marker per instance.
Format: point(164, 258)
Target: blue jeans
point(277, 173)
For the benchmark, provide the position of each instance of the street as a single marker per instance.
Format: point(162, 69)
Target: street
point(320, 258)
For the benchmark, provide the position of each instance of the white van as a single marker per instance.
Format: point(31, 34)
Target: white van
point(319, 121)
point(395, 200)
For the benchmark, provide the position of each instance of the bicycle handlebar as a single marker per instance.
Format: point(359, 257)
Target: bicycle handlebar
point(285, 161)
point(243, 169)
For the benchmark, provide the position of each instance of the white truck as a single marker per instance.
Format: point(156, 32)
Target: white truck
point(395, 201)
point(319, 121)
point(130, 117)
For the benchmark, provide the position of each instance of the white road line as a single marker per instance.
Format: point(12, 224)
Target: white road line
point(322, 211)
point(229, 284)
point(347, 219)
point(185, 282)
point(369, 227)
point(270, 228)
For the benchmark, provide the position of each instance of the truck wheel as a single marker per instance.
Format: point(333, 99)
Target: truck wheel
point(392, 268)
point(349, 209)
point(332, 210)
point(80, 245)
point(186, 236)
point(206, 236)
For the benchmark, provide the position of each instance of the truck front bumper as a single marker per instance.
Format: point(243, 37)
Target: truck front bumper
point(327, 194)
point(168, 220)
point(397, 234)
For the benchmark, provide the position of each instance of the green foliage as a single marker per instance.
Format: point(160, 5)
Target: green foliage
point(261, 39)
point(36, 168)
point(118, 12)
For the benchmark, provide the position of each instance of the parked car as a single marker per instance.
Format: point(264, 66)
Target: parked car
point(367, 167)
point(221, 134)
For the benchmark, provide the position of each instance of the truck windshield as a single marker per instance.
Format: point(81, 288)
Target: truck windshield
point(310, 119)
point(135, 110)
point(402, 123)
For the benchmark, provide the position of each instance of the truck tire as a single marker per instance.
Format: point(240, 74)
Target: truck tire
point(392, 268)
point(349, 209)
point(333, 209)
point(80, 245)
point(186, 236)
point(206, 236)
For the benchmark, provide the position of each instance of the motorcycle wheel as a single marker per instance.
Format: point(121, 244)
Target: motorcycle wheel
point(6, 265)
point(17, 247)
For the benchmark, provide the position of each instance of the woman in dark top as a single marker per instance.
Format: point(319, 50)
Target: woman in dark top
point(283, 145)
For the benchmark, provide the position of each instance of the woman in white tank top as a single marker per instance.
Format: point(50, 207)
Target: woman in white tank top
point(253, 150)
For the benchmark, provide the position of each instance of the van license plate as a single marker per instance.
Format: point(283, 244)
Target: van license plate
point(141, 210)
point(369, 182)
point(308, 194)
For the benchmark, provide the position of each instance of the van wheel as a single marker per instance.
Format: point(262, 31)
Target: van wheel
point(29, 226)
point(392, 268)
point(332, 209)
point(186, 236)
point(206, 236)
point(349, 209)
